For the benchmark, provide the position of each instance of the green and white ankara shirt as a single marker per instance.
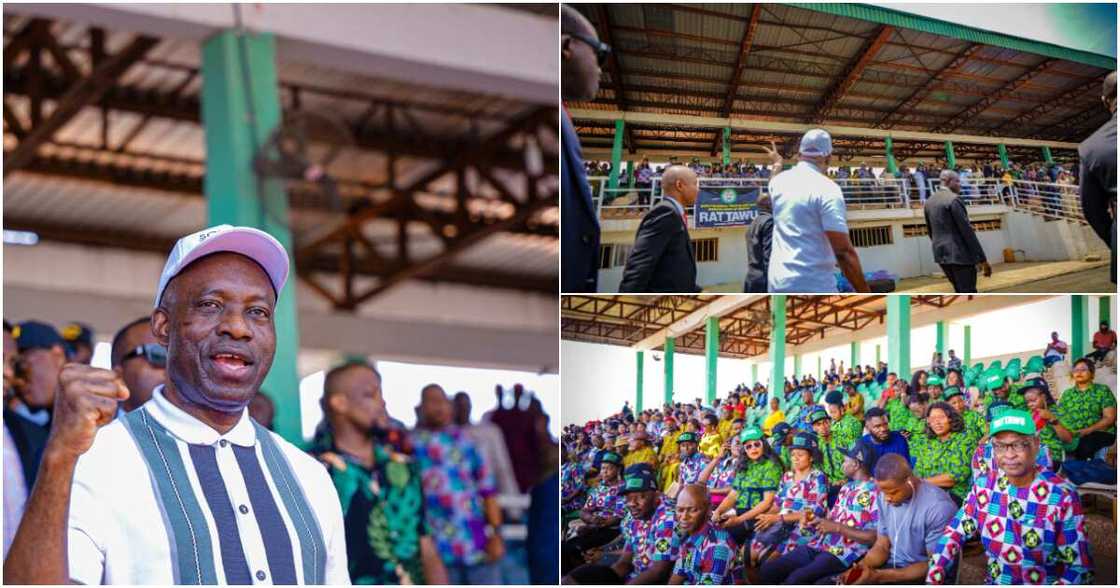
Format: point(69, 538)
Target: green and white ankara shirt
point(162, 498)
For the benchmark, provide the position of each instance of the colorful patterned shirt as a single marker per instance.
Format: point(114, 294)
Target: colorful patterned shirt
point(751, 483)
point(573, 483)
point(605, 500)
point(896, 414)
point(832, 461)
point(975, 426)
point(1033, 535)
point(707, 557)
point(810, 493)
point(456, 481)
point(952, 456)
point(983, 460)
point(691, 467)
point(856, 506)
point(723, 475)
point(1079, 409)
point(847, 430)
point(651, 540)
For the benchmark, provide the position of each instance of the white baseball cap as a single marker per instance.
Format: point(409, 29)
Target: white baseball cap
point(816, 142)
point(252, 243)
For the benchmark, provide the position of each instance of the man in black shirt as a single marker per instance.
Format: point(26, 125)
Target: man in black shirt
point(1098, 174)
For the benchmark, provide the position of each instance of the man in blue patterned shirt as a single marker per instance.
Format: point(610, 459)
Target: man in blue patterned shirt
point(601, 515)
point(1029, 519)
point(707, 552)
point(692, 461)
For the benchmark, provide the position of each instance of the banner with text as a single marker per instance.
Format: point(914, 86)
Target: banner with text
point(727, 206)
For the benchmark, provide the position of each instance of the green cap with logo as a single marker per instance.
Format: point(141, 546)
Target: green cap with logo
point(1014, 420)
point(934, 380)
point(950, 392)
point(750, 434)
point(687, 437)
point(611, 457)
point(993, 381)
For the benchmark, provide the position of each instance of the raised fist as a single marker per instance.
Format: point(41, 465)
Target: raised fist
point(86, 401)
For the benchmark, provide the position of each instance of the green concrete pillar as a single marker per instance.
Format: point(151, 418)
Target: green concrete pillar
point(1079, 331)
point(237, 196)
point(967, 357)
point(1003, 156)
point(711, 354)
point(820, 374)
point(950, 155)
point(1104, 310)
point(878, 355)
point(616, 154)
point(942, 337)
point(898, 334)
point(726, 145)
point(1046, 155)
point(754, 374)
point(778, 346)
point(630, 179)
point(670, 347)
point(638, 382)
point(892, 166)
point(853, 360)
point(797, 366)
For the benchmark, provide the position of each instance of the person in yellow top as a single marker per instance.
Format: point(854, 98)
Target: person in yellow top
point(854, 403)
point(640, 451)
point(727, 412)
point(776, 416)
point(711, 444)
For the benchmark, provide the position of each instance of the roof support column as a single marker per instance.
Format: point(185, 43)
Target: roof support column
point(711, 354)
point(726, 145)
point(616, 154)
point(950, 155)
point(1046, 155)
point(1079, 327)
point(670, 347)
point(892, 165)
point(819, 373)
point(240, 110)
point(1104, 310)
point(942, 337)
point(754, 374)
point(1003, 156)
point(630, 174)
point(878, 355)
point(796, 366)
point(967, 357)
point(778, 347)
point(898, 334)
point(854, 348)
point(638, 382)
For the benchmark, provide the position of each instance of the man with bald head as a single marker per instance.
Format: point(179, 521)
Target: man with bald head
point(955, 246)
point(581, 55)
point(1098, 173)
point(661, 259)
point(707, 553)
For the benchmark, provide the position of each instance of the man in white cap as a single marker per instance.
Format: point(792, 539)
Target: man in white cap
point(186, 489)
point(810, 225)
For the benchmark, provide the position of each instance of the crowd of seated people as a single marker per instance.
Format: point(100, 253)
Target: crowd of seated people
point(826, 483)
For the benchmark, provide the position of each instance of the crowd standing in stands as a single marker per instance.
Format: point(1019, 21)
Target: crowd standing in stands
point(92, 457)
point(803, 485)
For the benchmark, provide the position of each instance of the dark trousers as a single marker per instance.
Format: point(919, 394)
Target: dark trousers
point(742, 534)
point(962, 277)
point(1090, 444)
point(801, 565)
point(1098, 354)
point(571, 551)
point(594, 574)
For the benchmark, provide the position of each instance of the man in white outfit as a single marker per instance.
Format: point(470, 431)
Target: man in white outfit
point(810, 225)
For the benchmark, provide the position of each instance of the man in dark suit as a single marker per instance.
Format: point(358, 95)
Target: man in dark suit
point(581, 53)
point(662, 258)
point(1098, 174)
point(760, 236)
point(955, 246)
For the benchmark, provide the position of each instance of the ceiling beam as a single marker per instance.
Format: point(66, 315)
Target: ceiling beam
point(737, 72)
point(852, 73)
point(81, 94)
point(1010, 88)
point(1053, 103)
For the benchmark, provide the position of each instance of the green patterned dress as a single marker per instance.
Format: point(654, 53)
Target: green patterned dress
point(952, 456)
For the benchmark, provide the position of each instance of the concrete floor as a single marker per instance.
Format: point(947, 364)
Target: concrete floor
point(1057, 277)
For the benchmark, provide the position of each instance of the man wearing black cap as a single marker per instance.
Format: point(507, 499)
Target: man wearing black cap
point(42, 355)
point(651, 542)
point(79, 342)
point(844, 536)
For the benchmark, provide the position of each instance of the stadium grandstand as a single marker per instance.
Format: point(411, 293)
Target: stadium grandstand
point(720, 371)
point(902, 94)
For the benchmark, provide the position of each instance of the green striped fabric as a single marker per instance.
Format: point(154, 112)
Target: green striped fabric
point(192, 554)
point(312, 546)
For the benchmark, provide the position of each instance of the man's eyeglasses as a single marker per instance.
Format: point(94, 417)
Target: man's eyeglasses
point(601, 49)
point(1016, 446)
point(153, 353)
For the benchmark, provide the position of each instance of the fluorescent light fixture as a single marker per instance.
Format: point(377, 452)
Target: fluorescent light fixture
point(20, 237)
